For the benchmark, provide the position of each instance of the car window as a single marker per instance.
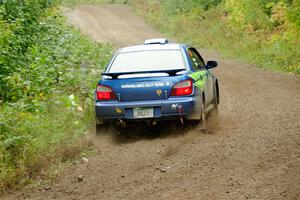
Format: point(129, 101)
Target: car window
point(150, 60)
point(197, 60)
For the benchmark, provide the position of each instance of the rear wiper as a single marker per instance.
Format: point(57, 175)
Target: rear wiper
point(172, 72)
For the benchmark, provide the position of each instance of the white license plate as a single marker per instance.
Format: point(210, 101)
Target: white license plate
point(139, 113)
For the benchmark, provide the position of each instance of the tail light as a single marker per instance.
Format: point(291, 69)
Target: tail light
point(104, 93)
point(182, 88)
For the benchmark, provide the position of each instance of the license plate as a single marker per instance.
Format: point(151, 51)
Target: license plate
point(139, 113)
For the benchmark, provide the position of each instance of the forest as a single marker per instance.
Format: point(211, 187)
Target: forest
point(261, 32)
point(48, 69)
point(48, 72)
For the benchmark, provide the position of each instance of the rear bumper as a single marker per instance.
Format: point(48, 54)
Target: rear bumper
point(162, 109)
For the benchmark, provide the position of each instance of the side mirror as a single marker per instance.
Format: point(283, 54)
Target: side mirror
point(211, 64)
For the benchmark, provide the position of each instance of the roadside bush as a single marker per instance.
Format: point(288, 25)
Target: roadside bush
point(47, 77)
point(245, 15)
point(72, 3)
point(293, 14)
point(263, 32)
point(175, 7)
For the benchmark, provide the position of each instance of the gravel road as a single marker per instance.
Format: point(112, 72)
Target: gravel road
point(253, 153)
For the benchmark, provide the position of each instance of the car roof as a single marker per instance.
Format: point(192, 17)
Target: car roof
point(149, 47)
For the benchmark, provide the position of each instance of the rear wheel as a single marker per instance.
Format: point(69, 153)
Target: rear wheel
point(203, 115)
point(214, 120)
point(215, 111)
point(216, 95)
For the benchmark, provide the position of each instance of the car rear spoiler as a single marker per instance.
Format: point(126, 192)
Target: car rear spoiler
point(170, 72)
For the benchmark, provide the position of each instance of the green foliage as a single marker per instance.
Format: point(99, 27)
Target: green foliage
point(36, 53)
point(72, 3)
point(30, 142)
point(175, 7)
point(47, 78)
point(293, 14)
point(19, 22)
point(243, 15)
point(263, 32)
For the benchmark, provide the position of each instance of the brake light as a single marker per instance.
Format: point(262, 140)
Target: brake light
point(182, 88)
point(104, 93)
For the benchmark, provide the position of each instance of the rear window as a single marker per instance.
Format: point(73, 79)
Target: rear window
point(153, 60)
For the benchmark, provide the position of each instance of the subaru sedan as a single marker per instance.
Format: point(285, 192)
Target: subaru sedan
point(156, 81)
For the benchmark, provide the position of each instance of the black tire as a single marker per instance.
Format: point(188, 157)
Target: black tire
point(203, 116)
point(214, 119)
point(216, 95)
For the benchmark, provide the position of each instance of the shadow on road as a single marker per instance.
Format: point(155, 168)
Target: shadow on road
point(142, 131)
point(163, 129)
point(136, 131)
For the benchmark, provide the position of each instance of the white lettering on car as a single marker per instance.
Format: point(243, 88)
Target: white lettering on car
point(145, 85)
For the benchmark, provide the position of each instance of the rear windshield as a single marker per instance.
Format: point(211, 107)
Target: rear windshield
point(152, 60)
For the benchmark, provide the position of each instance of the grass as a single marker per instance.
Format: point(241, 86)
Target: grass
point(276, 50)
point(42, 131)
point(72, 3)
point(38, 140)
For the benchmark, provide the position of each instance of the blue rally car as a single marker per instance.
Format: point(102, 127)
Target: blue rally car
point(156, 81)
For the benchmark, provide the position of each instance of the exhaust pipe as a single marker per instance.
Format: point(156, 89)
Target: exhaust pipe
point(151, 123)
point(181, 120)
point(121, 123)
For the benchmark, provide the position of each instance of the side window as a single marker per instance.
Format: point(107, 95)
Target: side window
point(196, 59)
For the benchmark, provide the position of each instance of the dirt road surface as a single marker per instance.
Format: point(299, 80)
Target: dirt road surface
point(254, 153)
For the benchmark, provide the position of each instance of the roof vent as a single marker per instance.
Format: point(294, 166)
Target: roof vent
point(156, 41)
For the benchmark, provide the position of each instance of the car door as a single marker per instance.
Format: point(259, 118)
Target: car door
point(204, 76)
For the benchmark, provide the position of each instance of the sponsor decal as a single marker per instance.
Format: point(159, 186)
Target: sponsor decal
point(144, 85)
point(180, 109)
point(177, 107)
point(118, 110)
point(199, 78)
point(159, 92)
point(174, 106)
